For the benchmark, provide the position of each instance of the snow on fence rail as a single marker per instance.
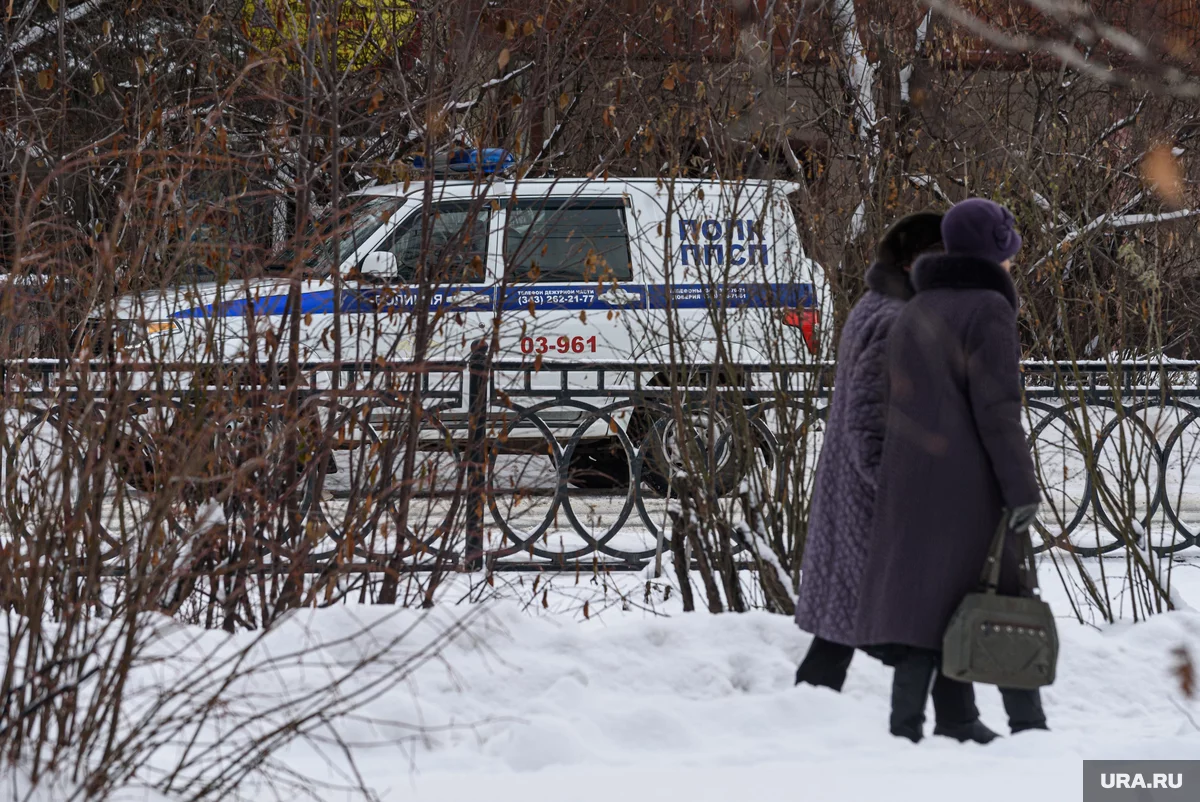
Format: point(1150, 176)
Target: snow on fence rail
point(526, 467)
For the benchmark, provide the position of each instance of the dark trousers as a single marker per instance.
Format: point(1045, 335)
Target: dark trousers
point(916, 670)
point(827, 663)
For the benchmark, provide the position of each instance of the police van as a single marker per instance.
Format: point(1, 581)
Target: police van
point(630, 270)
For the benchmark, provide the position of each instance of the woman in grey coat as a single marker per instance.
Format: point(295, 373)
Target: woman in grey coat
point(843, 501)
point(954, 458)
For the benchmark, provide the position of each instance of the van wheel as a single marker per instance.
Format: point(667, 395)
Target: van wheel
point(136, 458)
point(599, 466)
point(669, 450)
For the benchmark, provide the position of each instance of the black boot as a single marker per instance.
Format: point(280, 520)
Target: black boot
point(955, 713)
point(910, 691)
point(825, 665)
point(975, 731)
point(1024, 710)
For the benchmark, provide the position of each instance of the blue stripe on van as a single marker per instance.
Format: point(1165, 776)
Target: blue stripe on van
point(566, 297)
point(316, 303)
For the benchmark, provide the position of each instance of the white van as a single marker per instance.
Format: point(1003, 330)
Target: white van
point(629, 270)
point(585, 269)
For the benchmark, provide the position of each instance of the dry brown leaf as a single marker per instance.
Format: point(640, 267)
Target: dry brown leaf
point(527, 29)
point(502, 59)
point(45, 79)
point(668, 83)
point(1161, 170)
point(1184, 671)
point(1179, 47)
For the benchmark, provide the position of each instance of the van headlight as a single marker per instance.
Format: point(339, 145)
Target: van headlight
point(158, 328)
point(134, 333)
point(106, 338)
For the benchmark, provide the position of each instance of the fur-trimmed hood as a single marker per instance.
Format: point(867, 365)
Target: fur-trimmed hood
point(890, 280)
point(904, 241)
point(956, 271)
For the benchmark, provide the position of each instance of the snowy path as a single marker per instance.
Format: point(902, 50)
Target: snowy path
point(702, 707)
point(630, 704)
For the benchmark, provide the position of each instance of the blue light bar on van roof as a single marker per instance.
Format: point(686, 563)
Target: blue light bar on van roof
point(484, 160)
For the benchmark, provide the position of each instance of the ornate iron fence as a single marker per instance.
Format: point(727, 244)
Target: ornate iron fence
point(554, 465)
point(1117, 446)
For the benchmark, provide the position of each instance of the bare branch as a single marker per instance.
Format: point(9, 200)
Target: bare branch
point(41, 31)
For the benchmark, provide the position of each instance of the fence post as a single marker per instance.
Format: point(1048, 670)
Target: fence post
point(477, 399)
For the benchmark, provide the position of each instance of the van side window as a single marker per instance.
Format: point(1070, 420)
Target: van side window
point(457, 244)
point(576, 239)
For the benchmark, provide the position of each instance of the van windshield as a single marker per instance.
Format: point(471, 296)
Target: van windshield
point(354, 225)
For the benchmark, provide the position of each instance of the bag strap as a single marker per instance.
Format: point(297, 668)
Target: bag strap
point(990, 579)
point(1029, 581)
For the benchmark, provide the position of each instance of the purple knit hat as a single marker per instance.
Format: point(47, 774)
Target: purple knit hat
point(979, 227)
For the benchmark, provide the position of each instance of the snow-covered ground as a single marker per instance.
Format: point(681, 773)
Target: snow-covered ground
point(636, 700)
point(703, 707)
point(628, 706)
point(591, 690)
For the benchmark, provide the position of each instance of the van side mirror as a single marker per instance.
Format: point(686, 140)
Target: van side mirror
point(382, 264)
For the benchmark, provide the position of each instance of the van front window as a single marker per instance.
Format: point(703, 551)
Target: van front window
point(354, 225)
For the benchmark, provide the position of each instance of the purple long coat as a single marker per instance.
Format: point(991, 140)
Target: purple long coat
point(955, 452)
point(843, 500)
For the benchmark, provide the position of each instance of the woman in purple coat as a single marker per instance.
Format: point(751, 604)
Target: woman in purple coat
point(955, 457)
point(843, 503)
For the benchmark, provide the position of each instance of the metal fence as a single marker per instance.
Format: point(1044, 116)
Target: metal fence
point(525, 466)
point(1117, 446)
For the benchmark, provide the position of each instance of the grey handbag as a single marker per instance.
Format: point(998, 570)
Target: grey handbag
point(1008, 641)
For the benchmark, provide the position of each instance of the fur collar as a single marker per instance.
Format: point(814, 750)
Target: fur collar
point(959, 272)
point(889, 280)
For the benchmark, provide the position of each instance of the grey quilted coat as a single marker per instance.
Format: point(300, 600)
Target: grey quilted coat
point(843, 500)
